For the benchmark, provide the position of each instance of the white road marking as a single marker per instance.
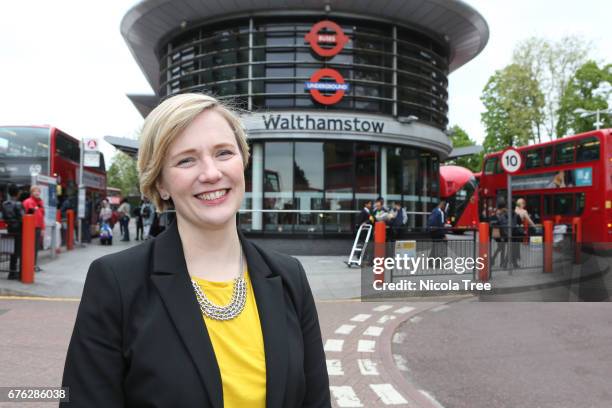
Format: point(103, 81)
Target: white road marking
point(373, 331)
point(367, 366)
point(405, 309)
point(385, 318)
point(334, 367)
point(400, 362)
point(388, 394)
point(345, 329)
point(399, 337)
point(416, 319)
point(345, 396)
point(382, 308)
point(333, 345)
point(439, 308)
point(431, 398)
point(366, 346)
point(360, 317)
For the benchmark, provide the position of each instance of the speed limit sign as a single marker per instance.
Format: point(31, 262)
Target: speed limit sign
point(511, 160)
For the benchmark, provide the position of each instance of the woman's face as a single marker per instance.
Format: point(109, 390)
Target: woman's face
point(203, 172)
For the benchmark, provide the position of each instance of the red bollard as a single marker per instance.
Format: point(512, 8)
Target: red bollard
point(28, 239)
point(548, 246)
point(70, 229)
point(483, 250)
point(577, 232)
point(380, 238)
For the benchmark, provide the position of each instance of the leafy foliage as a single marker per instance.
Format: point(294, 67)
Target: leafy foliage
point(123, 174)
point(460, 138)
point(514, 108)
point(552, 65)
point(589, 89)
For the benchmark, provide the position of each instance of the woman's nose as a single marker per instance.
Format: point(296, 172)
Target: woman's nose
point(209, 172)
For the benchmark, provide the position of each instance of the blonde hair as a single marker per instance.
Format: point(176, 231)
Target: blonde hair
point(164, 124)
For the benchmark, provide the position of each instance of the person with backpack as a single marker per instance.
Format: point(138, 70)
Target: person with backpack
point(397, 219)
point(124, 219)
point(12, 212)
point(35, 205)
point(147, 213)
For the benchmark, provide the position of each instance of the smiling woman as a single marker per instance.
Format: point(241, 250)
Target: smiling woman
point(198, 316)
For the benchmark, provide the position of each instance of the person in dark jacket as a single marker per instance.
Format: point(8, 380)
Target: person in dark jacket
point(198, 316)
point(365, 216)
point(12, 213)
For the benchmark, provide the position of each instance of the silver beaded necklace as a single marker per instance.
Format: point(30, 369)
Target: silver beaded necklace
point(235, 305)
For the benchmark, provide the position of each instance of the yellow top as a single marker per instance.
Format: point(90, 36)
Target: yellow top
point(239, 347)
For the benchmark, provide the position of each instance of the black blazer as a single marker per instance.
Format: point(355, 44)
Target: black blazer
point(140, 340)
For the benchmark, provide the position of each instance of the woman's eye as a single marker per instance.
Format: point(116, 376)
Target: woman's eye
point(184, 161)
point(225, 153)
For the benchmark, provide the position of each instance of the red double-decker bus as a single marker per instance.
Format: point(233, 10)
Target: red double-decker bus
point(458, 186)
point(51, 152)
point(565, 178)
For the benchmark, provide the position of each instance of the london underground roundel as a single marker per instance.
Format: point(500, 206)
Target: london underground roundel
point(315, 86)
point(316, 39)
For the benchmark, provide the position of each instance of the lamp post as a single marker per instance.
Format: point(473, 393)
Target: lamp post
point(597, 112)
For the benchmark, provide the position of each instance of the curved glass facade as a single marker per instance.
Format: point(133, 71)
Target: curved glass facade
point(317, 186)
point(263, 63)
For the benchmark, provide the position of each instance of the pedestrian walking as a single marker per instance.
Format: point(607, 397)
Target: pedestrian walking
point(437, 233)
point(199, 316)
point(35, 205)
point(124, 219)
point(12, 213)
point(147, 212)
point(139, 225)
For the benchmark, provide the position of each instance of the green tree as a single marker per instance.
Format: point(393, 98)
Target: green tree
point(460, 138)
point(123, 174)
point(513, 108)
point(552, 65)
point(584, 91)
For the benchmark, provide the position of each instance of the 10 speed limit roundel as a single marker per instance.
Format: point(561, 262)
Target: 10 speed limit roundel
point(511, 160)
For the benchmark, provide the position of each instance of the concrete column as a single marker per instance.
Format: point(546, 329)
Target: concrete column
point(257, 186)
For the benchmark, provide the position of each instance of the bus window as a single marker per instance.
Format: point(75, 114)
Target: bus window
point(579, 203)
point(490, 165)
point(564, 153)
point(533, 158)
point(498, 167)
point(533, 207)
point(563, 204)
point(548, 155)
point(587, 149)
point(548, 204)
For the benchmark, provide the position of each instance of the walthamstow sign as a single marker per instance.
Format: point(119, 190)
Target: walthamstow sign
point(326, 124)
point(334, 82)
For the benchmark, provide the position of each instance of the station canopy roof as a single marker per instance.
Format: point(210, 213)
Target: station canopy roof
point(146, 25)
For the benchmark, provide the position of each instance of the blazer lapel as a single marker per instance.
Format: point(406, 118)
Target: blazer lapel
point(171, 278)
point(270, 300)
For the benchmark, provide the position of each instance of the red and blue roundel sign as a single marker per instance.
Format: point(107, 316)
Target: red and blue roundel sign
point(315, 86)
point(316, 39)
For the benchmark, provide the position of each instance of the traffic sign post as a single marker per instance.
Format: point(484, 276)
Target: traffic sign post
point(511, 162)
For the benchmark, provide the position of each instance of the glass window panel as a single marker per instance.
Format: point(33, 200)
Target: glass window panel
point(279, 56)
point(548, 205)
point(548, 155)
point(587, 149)
point(308, 183)
point(282, 40)
point(563, 204)
point(580, 200)
point(564, 153)
point(339, 185)
point(279, 72)
point(533, 158)
point(394, 170)
point(25, 142)
point(279, 87)
point(278, 185)
point(490, 165)
point(366, 170)
point(272, 102)
point(533, 206)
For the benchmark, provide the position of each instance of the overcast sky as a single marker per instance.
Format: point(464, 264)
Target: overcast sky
point(64, 62)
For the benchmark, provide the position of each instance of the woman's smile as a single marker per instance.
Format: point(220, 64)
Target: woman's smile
point(213, 197)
